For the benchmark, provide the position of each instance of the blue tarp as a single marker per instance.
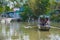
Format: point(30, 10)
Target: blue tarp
point(14, 14)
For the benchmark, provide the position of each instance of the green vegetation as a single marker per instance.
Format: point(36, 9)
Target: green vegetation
point(4, 9)
point(55, 17)
point(35, 8)
point(40, 7)
point(27, 12)
point(1, 9)
point(55, 24)
point(55, 14)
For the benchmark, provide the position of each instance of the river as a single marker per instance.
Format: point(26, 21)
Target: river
point(16, 31)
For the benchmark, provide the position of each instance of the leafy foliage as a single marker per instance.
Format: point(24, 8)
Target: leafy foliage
point(27, 12)
point(55, 16)
point(1, 9)
point(41, 6)
point(7, 9)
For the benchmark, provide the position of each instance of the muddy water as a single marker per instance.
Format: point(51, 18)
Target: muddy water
point(16, 31)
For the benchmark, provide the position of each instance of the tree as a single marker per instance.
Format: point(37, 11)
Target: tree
point(7, 8)
point(1, 9)
point(27, 12)
point(40, 7)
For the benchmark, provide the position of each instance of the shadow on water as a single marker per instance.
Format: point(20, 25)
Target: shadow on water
point(15, 31)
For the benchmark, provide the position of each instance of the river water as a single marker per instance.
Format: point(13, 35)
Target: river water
point(16, 31)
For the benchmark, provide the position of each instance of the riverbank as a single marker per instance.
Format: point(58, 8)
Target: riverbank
point(55, 24)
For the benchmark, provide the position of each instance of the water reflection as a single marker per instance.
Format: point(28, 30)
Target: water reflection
point(54, 37)
point(13, 31)
point(25, 37)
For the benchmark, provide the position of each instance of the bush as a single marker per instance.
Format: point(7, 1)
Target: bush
point(55, 17)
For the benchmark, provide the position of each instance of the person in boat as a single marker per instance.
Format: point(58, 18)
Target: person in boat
point(42, 20)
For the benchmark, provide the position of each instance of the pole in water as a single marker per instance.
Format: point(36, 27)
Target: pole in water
point(33, 21)
point(28, 26)
point(29, 21)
